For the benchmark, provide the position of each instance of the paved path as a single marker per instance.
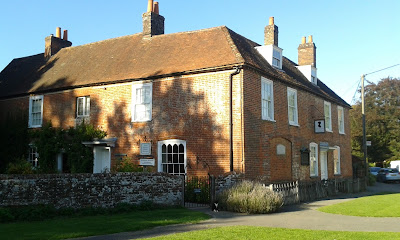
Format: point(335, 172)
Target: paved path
point(301, 216)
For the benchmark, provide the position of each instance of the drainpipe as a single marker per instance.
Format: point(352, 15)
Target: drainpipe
point(237, 71)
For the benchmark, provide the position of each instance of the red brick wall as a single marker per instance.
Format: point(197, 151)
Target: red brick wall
point(195, 108)
point(261, 136)
point(191, 108)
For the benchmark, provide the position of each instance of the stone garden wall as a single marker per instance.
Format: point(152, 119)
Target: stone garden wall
point(95, 190)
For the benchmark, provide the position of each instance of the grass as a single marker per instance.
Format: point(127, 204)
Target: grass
point(247, 232)
point(61, 228)
point(383, 205)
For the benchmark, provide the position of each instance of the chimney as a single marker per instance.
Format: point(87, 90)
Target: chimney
point(153, 22)
point(271, 33)
point(55, 44)
point(307, 52)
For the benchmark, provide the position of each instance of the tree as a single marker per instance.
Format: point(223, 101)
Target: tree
point(382, 110)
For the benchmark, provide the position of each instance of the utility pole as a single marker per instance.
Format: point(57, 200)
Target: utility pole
point(363, 125)
point(363, 117)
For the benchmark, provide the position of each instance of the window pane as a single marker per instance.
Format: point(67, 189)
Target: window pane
point(181, 148)
point(146, 97)
point(169, 148)
point(169, 158)
point(175, 148)
point(80, 106)
point(181, 158)
point(175, 157)
point(87, 107)
point(139, 96)
point(170, 168)
point(164, 158)
point(163, 148)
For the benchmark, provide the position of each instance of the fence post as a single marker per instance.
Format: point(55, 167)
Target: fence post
point(212, 190)
point(183, 191)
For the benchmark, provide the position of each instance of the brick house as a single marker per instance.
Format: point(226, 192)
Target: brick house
point(201, 102)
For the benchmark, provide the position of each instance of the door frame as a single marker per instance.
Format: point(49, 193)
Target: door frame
point(105, 163)
point(324, 165)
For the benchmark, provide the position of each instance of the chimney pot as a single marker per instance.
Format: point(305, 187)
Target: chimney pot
point(310, 39)
point(156, 8)
point(150, 6)
point(58, 32)
point(303, 40)
point(271, 20)
point(65, 35)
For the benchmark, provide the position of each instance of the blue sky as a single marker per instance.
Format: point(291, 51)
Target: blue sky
point(352, 37)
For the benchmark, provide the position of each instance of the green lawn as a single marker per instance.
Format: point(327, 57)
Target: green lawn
point(384, 205)
point(246, 232)
point(61, 228)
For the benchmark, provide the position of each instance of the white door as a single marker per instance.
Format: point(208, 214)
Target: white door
point(324, 165)
point(102, 159)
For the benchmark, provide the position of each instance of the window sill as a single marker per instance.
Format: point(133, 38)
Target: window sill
point(294, 124)
point(35, 126)
point(342, 133)
point(314, 177)
point(269, 120)
point(337, 174)
point(329, 131)
point(142, 121)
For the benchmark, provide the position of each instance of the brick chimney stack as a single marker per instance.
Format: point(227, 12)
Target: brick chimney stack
point(307, 52)
point(55, 44)
point(271, 33)
point(153, 22)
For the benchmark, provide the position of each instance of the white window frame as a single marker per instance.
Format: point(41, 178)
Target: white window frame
point(33, 156)
point(267, 99)
point(277, 58)
point(336, 161)
point(148, 106)
point(31, 112)
point(328, 118)
point(171, 142)
point(313, 159)
point(295, 121)
point(86, 106)
point(340, 119)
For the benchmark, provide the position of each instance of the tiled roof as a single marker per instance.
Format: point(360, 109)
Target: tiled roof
point(135, 57)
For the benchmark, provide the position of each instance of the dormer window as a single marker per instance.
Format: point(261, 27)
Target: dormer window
point(276, 58)
point(309, 72)
point(272, 54)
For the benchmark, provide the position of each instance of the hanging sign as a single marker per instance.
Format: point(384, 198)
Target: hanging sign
point(319, 126)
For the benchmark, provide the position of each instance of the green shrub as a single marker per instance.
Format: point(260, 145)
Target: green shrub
point(250, 197)
point(126, 164)
point(20, 166)
point(6, 215)
point(371, 180)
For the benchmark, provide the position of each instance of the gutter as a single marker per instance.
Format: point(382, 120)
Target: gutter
point(237, 71)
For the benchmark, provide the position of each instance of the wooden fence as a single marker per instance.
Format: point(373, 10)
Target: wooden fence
point(302, 191)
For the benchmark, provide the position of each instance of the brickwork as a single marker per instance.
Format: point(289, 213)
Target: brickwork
point(261, 136)
point(90, 190)
point(307, 54)
point(195, 109)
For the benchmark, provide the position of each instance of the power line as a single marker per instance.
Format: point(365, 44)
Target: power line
point(382, 69)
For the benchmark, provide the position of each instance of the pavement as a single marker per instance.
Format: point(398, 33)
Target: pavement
point(300, 216)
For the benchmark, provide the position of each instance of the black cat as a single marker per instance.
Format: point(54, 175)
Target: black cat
point(214, 206)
